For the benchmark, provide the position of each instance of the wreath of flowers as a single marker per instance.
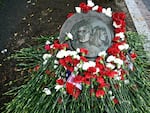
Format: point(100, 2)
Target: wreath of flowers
point(79, 73)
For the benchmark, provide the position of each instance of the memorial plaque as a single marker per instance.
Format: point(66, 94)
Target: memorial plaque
point(92, 30)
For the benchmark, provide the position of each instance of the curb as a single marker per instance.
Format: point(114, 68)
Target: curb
point(140, 23)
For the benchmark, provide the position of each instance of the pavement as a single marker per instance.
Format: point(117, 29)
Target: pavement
point(140, 13)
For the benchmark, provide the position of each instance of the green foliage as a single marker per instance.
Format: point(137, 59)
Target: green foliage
point(29, 98)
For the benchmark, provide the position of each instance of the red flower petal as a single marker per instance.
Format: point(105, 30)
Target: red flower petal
point(69, 15)
point(115, 100)
point(100, 93)
point(47, 47)
point(60, 81)
point(72, 90)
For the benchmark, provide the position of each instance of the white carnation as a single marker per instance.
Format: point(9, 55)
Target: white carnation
point(126, 81)
point(90, 3)
point(78, 9)
point(121, 35)
point(58, 87)
point(126, 46)
point(69, 35)
point(47, 42)
point(110, 58)
point(61, 54)
point(56, 62)
point(117, 78)
point(103, 53)
point(45, 62)
point(86, 65)
point(95, 8)
point(110, 92)
point(47, 91)
point(118, 61)
point(121, 47)
point(110, 65)
point(112, 97)
point(46, 56)
point(107, 11)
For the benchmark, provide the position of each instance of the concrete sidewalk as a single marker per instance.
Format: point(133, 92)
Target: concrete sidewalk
point(140, 14)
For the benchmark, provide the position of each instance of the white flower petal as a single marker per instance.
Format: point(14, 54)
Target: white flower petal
point(56, 62)
point(110, 92)
point(47, 91)
point(117, 78)
point(103, 53)
point(61, 54)
point(121, 47)
point(46, 56)
point(110, 58)
point(121, 35)
point(112, 97)
point(58, 87)
point(92, 64)
point(55, 66)
point(95, 8)
point(47, 42)
point(115, 25)
point(126, 46)
point(90, 3)
point(78, 9)
point(69, 35)
point(126, 81)
point(110, 65)
point(78, 50)
point(118, 61)
point(45, 62)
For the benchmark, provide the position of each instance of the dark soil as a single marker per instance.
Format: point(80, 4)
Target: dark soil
point(44, 18)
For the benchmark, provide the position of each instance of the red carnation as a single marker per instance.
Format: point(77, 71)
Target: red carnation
point(83, 51)
point(99, 59)
point(78, 79)
point(84, 7)
point(110, 73)
point(99, 9)
point(114, 50)
point(84, 59)
point(118, 30)
point(133, 56)
point(100, 93)
point(119, 15)
point(115, 100)
point(116, 39)
point(47, 47)
point(72, 90)
point(36, 68)
point(69, 15)
point(91, 69)
point(48, 72)
point(69, 63)
point(60, 81)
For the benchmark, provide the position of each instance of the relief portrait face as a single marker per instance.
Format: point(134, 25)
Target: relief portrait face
point(83, 33)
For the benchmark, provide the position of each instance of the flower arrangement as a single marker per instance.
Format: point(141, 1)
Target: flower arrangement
point(94, 76)
point(67, 82)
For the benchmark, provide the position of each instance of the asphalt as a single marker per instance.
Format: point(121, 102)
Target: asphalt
point(11, 13)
